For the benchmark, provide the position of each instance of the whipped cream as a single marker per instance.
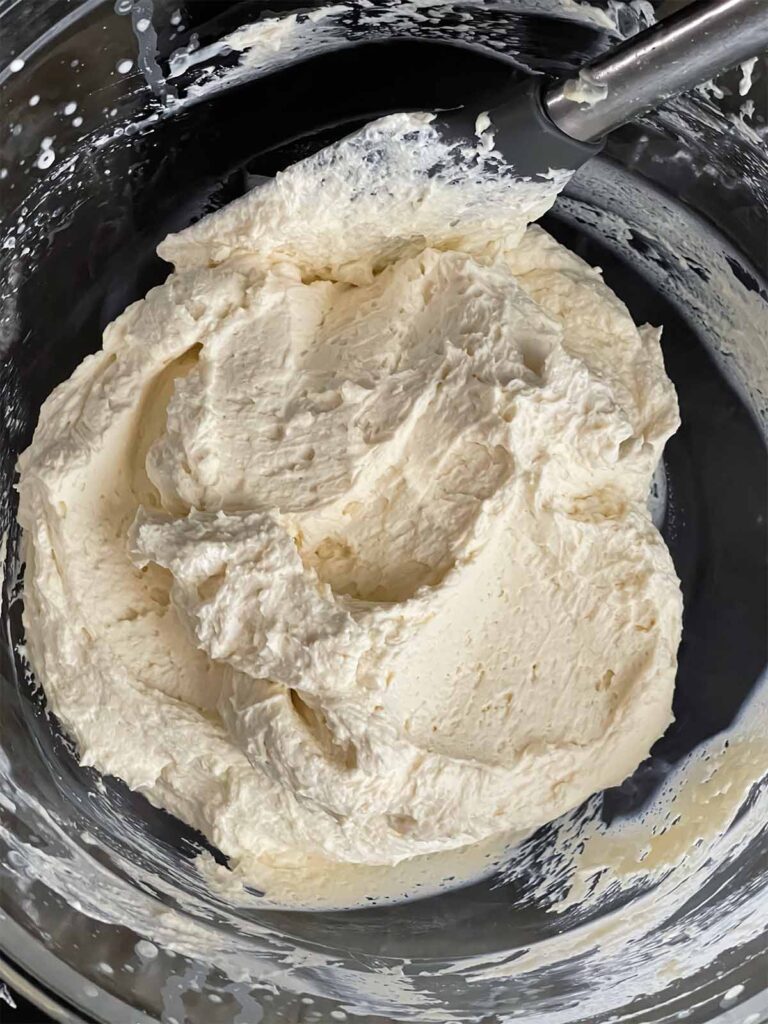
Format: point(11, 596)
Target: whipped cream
point(339, 548)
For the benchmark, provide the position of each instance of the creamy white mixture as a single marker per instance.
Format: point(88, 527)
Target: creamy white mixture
point(339, 548)
point(585, 89)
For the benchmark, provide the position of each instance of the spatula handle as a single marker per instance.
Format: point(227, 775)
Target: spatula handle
point(697, 42)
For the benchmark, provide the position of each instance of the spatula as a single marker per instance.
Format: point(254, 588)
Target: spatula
point(542, 124)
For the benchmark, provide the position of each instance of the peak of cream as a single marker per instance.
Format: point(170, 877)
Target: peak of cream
point(339, 547)
point(356, 207)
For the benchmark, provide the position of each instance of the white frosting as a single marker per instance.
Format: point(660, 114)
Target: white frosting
point(585, 89)
point(747, 73)
point(339, 547)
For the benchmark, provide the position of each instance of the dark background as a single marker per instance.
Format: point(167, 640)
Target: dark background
point(25, 1013)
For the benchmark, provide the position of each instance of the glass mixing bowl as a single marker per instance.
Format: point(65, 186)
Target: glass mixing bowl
point(122, 121)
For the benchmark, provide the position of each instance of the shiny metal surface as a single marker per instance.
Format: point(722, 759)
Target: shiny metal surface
point(690, 46)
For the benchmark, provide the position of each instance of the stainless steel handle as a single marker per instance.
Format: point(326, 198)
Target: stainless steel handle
point(692, 45)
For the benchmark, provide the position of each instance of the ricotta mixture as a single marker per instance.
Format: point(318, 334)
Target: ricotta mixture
point(339, 549)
